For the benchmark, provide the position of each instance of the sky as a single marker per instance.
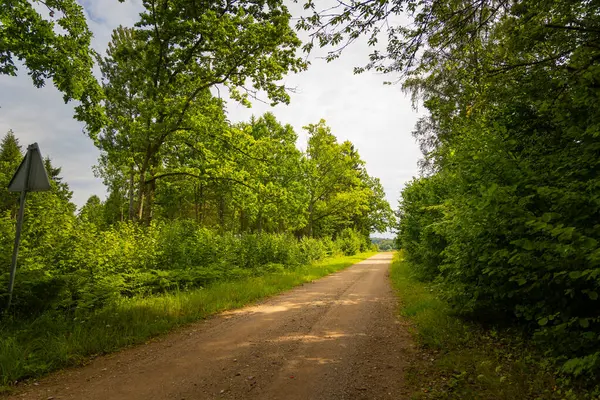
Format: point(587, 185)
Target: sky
point(378, 119)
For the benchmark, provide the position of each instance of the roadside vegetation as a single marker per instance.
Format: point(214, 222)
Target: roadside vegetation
point(461, 359)
point(502, 224)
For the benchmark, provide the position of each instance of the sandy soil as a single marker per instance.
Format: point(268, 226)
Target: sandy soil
point(335, 338)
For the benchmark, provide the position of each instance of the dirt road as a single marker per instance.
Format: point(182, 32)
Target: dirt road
point(336, 338)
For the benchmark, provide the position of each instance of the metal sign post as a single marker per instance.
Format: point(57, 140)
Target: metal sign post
point(31, 176)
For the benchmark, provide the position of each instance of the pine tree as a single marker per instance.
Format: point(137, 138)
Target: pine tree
point(10, 149)
point(59, 187)
point(10, 157)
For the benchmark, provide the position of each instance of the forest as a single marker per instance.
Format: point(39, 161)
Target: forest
point(190, 194)
point(383, 244)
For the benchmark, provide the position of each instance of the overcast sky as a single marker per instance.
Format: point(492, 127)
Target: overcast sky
point(377, 118)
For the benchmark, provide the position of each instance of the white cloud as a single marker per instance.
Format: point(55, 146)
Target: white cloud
point(378, 119)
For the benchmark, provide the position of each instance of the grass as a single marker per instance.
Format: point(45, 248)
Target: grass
point(462, 360)
point(50, 342)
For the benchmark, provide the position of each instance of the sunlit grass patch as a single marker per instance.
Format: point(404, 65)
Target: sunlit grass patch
point(462, 360)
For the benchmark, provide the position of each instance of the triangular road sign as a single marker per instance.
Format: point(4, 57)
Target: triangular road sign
point(31, 174)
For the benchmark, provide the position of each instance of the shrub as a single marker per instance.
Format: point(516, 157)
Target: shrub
point(87, 269)
point(349, 242)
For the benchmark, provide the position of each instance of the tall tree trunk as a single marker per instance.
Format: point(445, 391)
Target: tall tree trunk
point(131, 194)
point(142, 186)
point(141, 192)
point(149, 200)
point(140, 202)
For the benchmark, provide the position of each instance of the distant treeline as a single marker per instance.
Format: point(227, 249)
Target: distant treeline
point(384, 244)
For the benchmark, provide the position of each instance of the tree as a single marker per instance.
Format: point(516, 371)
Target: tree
point(116, 207)
point(10, 149)
point(383, 244)
point(52, 40)
point(379, 216)
point(48, 218)
point(272, 165)
point(60, 188)
point(93, 212)
point(157, 77)
point(10, 158)
point(336, 182)
point(421, 212)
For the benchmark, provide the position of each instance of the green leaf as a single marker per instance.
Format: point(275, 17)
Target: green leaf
point(546, 217)
point(593, 295)
point(542, 321)
point(574, 274)
point(526, 244)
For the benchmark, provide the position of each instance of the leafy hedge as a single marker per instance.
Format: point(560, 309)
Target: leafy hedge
point(523, 252)
point(508, 219)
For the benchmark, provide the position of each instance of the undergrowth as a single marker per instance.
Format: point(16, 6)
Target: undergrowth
point(463, 360)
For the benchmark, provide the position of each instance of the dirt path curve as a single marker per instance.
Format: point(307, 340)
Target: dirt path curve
point(336, 338)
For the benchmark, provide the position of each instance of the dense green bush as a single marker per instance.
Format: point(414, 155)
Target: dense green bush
point(508, 217)
point(419, 231)
point(510, 225)
point(84, 268)
point(314, 249)
point(350, 242)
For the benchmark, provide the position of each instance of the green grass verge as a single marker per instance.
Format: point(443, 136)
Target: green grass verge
point(51, 342)
point(462, 360)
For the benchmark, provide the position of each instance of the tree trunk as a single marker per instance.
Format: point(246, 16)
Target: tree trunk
point(140, 203)
point(131, 194)
point(149, 199)
point(141, 192)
